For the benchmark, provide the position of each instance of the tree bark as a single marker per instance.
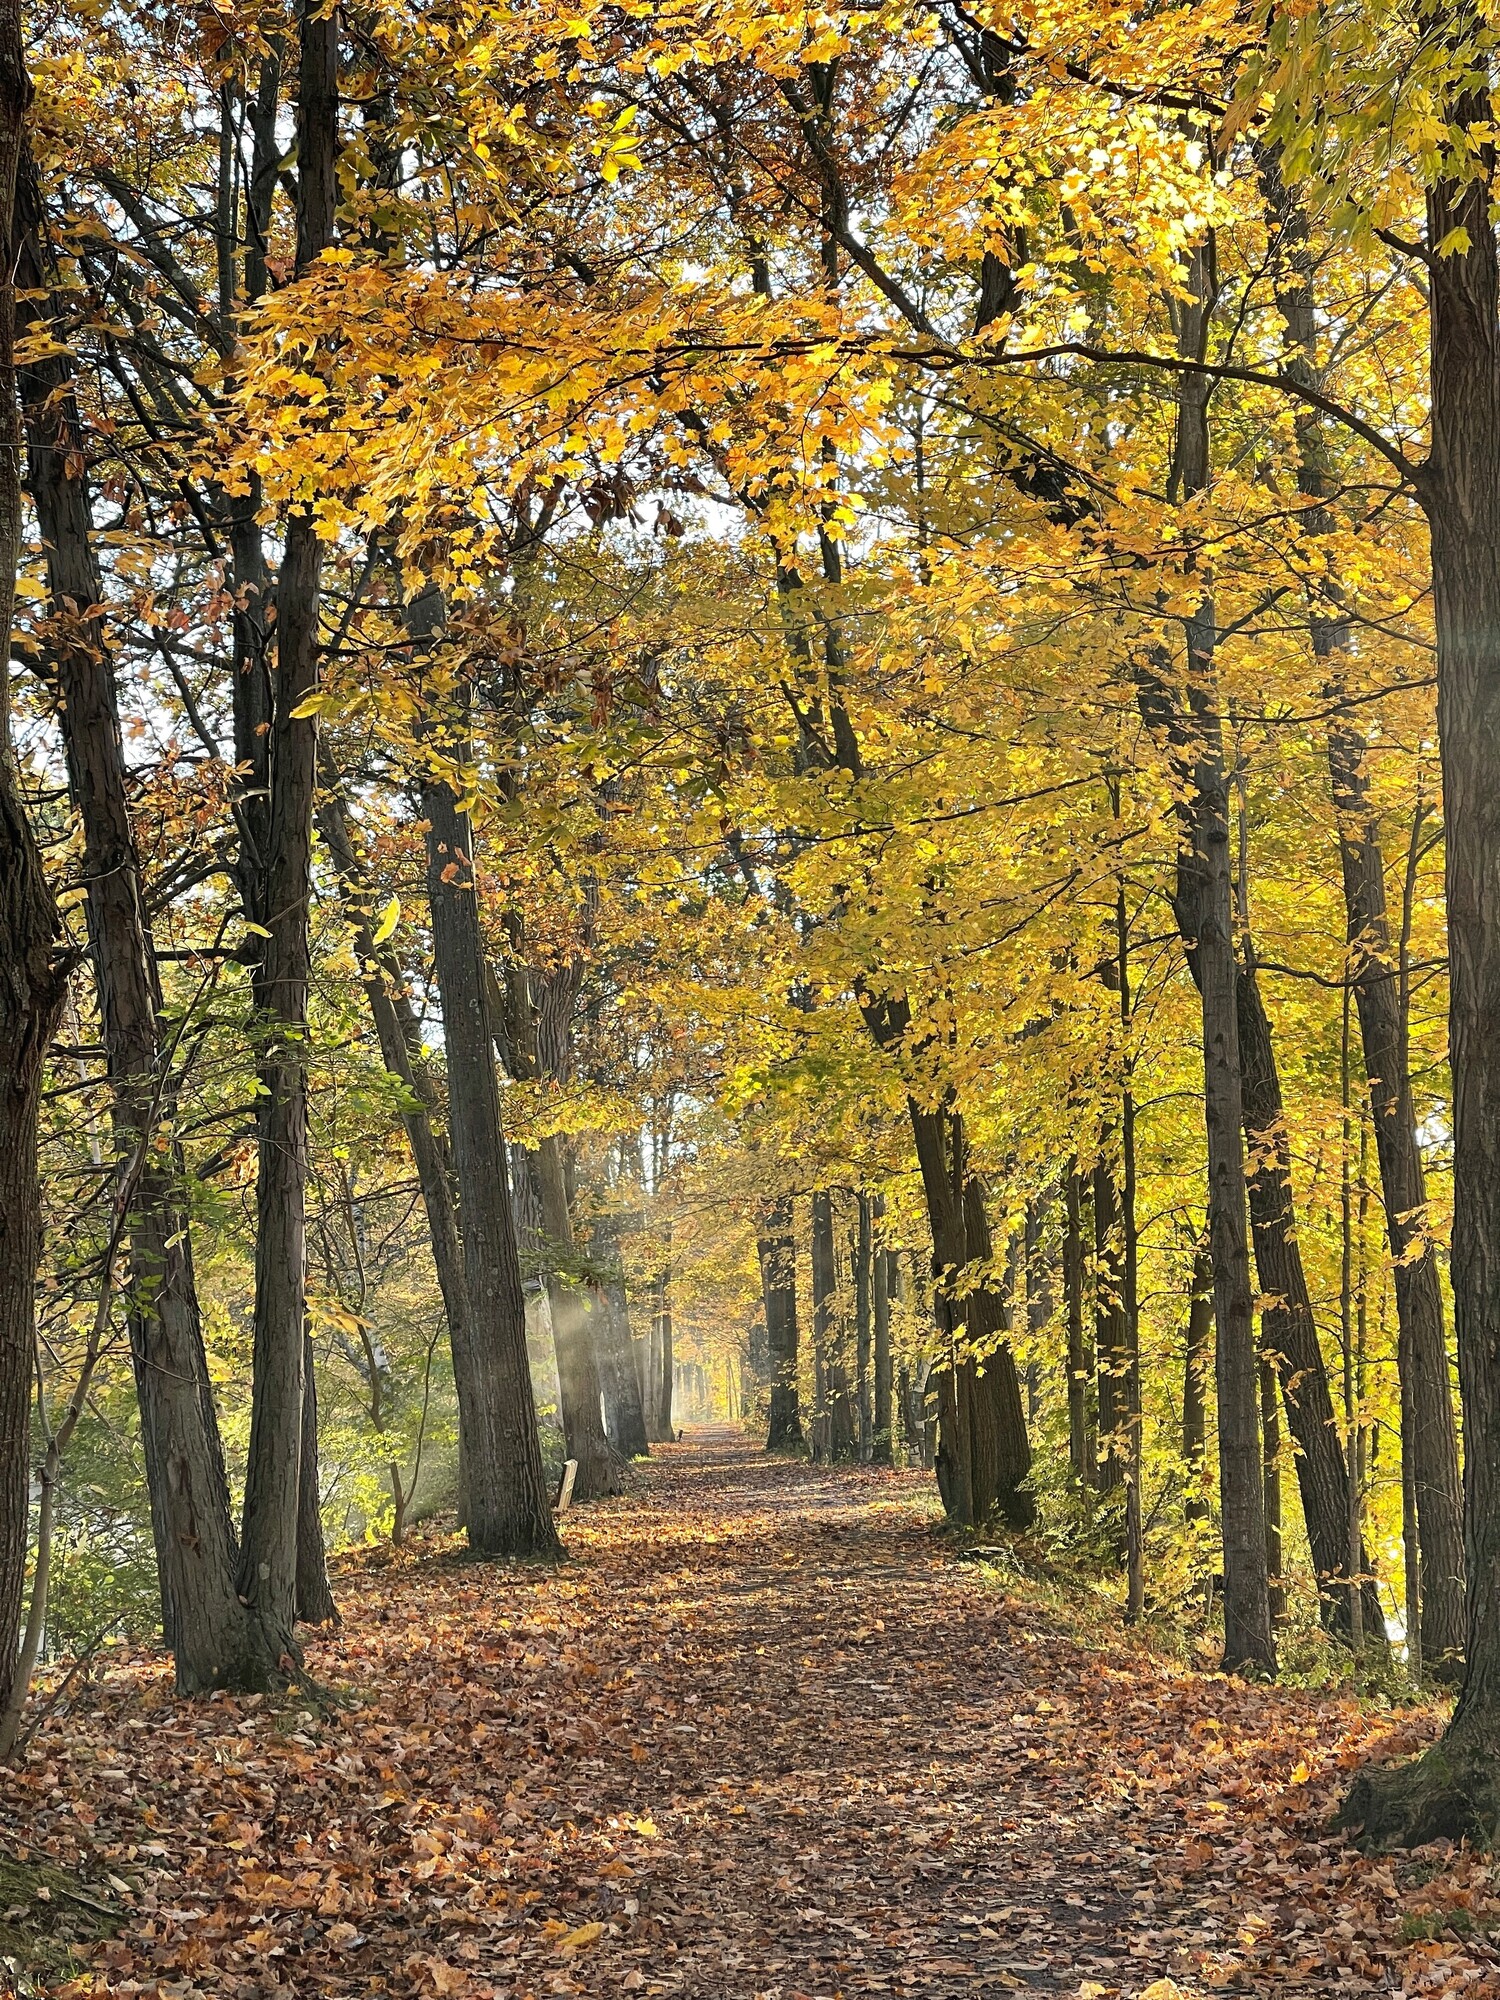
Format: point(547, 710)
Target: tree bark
point(31, 992)
point(1110, 1361)
point(507, 1506)
point(315, 1605)
point(1080, 1438)
point(1203, 904)
point(1194, 1372)
point(1000, 1450)
point(624, 1413)
point(400, 1041)
point(1453, 1790)
point(665, 1359)
point(601, 1471)
point(193, 1529)
point(269, 1561)
point(1380, 997)
point(544, 1047)
point(864, 1257)
point(1288, 1329)
point(1270, 1449)
point(824, 1281)
point(1381, 1004)
point(776, 1245)
point(996, 1481)
point(880, 1440)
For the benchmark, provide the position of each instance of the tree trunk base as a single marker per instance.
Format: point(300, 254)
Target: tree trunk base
point(1452, 1792)
point(602, 1474)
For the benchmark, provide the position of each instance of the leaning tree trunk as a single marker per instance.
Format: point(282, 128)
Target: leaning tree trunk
point(269, 1564)
point(202, 1618)
point(776, 1244)
point(31, 994)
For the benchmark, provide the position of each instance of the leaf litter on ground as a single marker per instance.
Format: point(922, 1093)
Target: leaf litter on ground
point(762, 1735)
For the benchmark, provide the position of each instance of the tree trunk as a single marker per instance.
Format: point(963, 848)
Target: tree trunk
point(1287, 1325)
point(268, 1571)
point(1380, 997)
point(1001, 1452)
point(1080, 1438)
point(315, 1605)
point(1381, 1003)
point(880, 1441)
point(1270, 1446)
point(864, 1257)
point(508, 1510)
point(1194, 1374)
point(824, 1283)
point(1453, 1790)
point(843, 1422)
point(400, 1040)
point(202, 1619)
point(941, 1146)
point(1109, 1337)
point(624, 1412)
point(542, 1003)
point(601, 1472)
point(31, 994)
point(1203, 904)
point(1130, 1327)
point(665, 1364)
point(776, 1243)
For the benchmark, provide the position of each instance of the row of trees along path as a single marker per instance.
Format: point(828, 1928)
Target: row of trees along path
point(767, 1733)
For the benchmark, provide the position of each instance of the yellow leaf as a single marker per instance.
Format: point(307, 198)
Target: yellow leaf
point(579, 1940)
point(390, 916)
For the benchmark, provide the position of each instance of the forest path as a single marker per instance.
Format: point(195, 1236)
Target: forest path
point(764, 1734)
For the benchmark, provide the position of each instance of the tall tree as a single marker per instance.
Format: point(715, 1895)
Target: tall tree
point(1203, 904)
point(275, 1478)
point(196, 1551)
point(506, 1505)
point(32, 989)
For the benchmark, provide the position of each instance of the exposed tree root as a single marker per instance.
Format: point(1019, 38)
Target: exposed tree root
point(1452, 1792)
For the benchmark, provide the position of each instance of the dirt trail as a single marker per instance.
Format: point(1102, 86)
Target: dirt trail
point(763, 1735)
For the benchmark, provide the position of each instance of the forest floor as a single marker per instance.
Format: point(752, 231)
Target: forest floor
point(764, 1734)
